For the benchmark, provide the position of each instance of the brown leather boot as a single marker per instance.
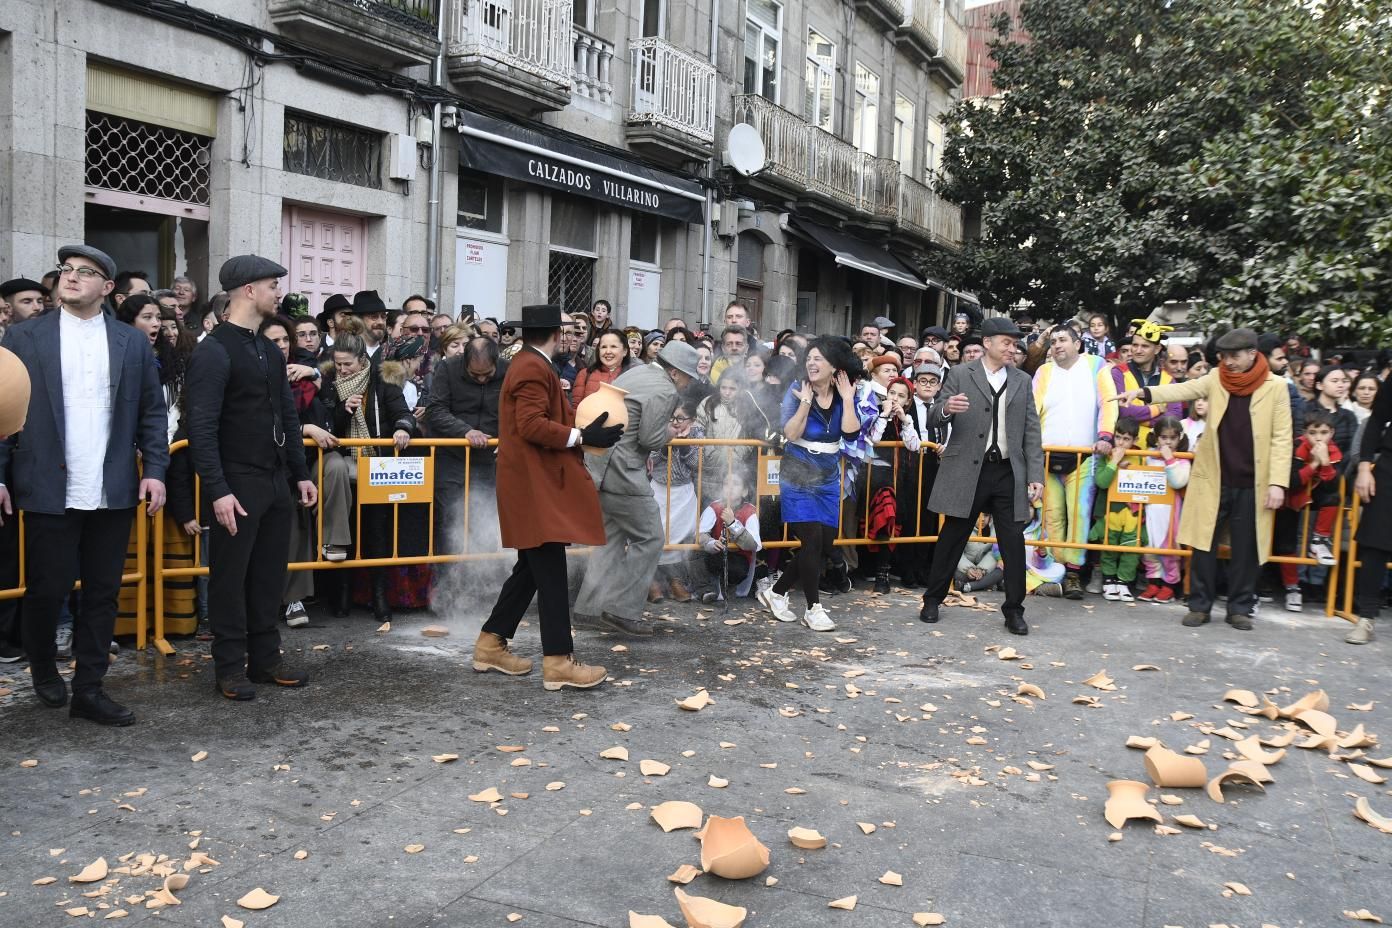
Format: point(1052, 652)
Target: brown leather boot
point(679, 591)
point(561, 670)
point(654, 592)
point(491, 653)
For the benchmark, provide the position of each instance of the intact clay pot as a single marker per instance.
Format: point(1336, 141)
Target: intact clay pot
point(1174, 771)
point(14, 392)
point(608, 398)
point(730, 849)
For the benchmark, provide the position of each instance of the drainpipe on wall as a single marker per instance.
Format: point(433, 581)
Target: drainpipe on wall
point(432, 229)
point(707, 238)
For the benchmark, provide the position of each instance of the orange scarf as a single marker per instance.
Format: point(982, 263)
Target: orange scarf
point(1246, 383)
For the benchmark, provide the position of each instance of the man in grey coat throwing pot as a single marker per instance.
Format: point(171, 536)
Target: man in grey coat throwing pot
point(993, 463)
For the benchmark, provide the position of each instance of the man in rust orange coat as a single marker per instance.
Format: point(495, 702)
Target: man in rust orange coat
point(546, 500)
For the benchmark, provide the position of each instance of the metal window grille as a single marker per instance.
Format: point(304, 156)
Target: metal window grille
point(570, 282)
point(151, 161)
point(416, 15)
point(334, 152)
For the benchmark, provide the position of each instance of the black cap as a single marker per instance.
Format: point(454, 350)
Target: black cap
point(335, 302)
point(21, 285)
point(1269, 342)
point(91, 254)
point(537, 316)
point(1238, 340)
point(247, 269)
point(935, 331)
point(1000, 325)
point(367, 301)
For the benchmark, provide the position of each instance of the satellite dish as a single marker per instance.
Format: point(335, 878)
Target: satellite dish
point(744, 149)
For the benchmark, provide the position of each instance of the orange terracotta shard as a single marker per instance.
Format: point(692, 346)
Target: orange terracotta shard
point(258, 899)
point(671, 816)
point(1126, 799)
point(1215, 786)
point(701, 912)
point(1174, 771)
point(729, 849)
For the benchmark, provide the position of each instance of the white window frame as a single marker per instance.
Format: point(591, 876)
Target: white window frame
point(865, 125)
point(904, 133)
point(933, 135)
point(815, 69)
point(772, 31)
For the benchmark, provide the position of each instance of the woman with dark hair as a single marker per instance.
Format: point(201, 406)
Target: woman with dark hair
point(652, 344)
point(611, 359)
point(729, 413)
point(673, 484)
point(1365, 388)
point(678, 334)
point(818, 415)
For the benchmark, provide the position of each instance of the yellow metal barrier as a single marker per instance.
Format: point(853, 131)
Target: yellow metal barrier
point(159, 573)
point(1351, 563)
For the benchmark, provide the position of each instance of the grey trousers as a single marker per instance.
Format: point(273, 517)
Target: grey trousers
point(618, 575)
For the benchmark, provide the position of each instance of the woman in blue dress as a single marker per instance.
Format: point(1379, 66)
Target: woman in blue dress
point(819, 416)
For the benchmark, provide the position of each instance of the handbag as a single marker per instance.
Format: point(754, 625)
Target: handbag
point(1063, 463)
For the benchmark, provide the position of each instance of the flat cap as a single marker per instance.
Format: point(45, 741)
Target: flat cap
point(1238, 340)
point(935, 331)
point(21, 285)
point(95, 255)
point(933, 369)
point(682, 357)
point(246, 269)
point(1000, 325)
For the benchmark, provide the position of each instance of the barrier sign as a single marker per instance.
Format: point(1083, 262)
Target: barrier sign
point(1141, 485)
point(768, 475)
point(395, 480)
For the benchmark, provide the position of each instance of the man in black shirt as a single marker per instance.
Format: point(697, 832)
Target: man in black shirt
point(464, 400)
point(1373, 485)
point(240, 413)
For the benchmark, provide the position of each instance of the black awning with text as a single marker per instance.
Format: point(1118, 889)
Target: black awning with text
point(532, 155)
point(857, 254)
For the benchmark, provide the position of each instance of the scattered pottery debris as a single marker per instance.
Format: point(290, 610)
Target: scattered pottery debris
point(1126, 799)
point(618, 752)
point(200, 756)
point(701, 912)
point(845, 902)
point(435, 631)
point(1245, 698)
point(807, 838)
point(685, 874)
point(94, 872)
point(671, 816)
point(258, 899)
point(444, 758)
point(890, 878)
point(647, 921)
point(1101, 681)
point(1174, 771)
point(925, 919)
point(695, 702)
point(653, 768)
point(489, 795)
point(1215, 786)
point(1364, 811)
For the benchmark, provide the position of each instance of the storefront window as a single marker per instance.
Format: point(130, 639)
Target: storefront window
point(480, 202)
point(572, 223)
point(645, 234)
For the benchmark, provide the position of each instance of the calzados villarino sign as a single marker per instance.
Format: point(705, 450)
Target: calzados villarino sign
point(527, 154)
point(1141, 485)
point(395, 480)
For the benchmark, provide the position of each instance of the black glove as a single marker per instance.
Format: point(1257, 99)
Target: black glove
point(599, 435)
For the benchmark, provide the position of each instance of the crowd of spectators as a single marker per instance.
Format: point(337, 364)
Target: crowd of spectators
point(848, 417)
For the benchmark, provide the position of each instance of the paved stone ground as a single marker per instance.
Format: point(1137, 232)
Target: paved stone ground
point(886, 721)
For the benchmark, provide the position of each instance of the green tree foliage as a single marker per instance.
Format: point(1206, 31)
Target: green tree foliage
point(1229, 151)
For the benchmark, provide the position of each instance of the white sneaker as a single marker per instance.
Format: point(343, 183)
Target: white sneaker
point(1123, 593)
point(817, 619)
point(1109, 592)
point(777, 604)
point(1320, 551)
point(1294, 601)
point(335, 553)
point(63, 641)
point(1094, 584)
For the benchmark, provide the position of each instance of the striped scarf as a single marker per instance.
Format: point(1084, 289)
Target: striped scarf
point(357, 426)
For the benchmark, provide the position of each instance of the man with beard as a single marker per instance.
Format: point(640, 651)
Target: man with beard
point(241, 411)
point(1145, 370)
point(368, 307)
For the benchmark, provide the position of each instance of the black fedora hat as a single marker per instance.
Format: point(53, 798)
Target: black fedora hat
point(537, 316)
point(367, 301)
point(335, 302)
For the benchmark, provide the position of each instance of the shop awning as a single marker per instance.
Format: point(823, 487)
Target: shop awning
point(857, 254)
point(533, 155)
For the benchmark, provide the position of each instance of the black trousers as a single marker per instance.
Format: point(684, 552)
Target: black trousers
point(818, 541)
point(87, 545)
point(247, 574)
point(1237, 508)
point(1371, 575)
point(995, 494)
point(540, 573)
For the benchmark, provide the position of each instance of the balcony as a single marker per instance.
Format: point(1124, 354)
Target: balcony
point(886, 13)
point(926, 216)
point(594, 59)
point(516, 54)
point(673, 103)
point(952, 61)
point(947, 223)
point(381, 32)
point(920, 28)
point(811, 162)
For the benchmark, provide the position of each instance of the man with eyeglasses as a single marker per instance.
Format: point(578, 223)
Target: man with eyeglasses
point(416, 323)
point(95, 400)
point(186, 296)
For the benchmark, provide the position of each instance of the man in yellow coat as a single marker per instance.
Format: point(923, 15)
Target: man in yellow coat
point(1240, 473)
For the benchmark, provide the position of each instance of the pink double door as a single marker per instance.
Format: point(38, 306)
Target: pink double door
point(324, 252)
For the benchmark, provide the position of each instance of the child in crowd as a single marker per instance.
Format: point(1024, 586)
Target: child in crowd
point(1315, 484)
point(1166, 439)
point(729, 539)
point(979, 568)
point(1117, 523)
point(1196, 421)
point(676, 503)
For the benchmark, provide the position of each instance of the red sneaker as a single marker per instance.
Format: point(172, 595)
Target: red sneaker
point(1166, 595)
point(1150, 593)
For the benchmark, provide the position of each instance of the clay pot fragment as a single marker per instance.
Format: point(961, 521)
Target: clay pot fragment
point(671, 816)
point(729, 849)
point(809, 839)
point(701, 912)
point(1215, 786)
point(1250, 748)
point(1174, 771)
point(1126, 799)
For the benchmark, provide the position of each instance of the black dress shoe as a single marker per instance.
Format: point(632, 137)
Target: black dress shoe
point(628, 626)
point(236, 688)
point(96, 706)
point(280, 675)
point(52, 692)
point(588, 622)
point(1015, 624)
point(929, 613)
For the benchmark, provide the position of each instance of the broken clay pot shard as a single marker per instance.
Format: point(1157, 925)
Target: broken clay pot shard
point(92, 873)
point(1215, 786)
point(809, 839)
point(701, 912)
point(1126, 799)
point(729, 849)
point(673, 815)
point(1174, 771)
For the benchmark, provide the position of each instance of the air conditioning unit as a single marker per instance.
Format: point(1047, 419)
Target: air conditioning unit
point(726, 219)
point(401, 157)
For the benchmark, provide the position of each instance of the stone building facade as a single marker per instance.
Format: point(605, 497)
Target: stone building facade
point(495, 152)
